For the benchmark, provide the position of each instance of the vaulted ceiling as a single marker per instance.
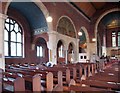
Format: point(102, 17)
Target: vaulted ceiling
point(31, 12)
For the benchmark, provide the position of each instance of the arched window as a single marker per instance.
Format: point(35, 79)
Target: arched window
point(113, 39)
point(13, 39)
point(61, 51)
point(40, 51)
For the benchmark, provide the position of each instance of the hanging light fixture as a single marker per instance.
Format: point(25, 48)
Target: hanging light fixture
point(93, 39)
point(49, 19)
point(80, 33)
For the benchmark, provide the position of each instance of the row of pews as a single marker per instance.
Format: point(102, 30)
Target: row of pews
point(70, 77)
point(106, 80)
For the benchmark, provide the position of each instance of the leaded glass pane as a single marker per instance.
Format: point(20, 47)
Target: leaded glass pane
point(7, 26)
point(6, 48)
point(41, 51)
point(19, 37)
point(119, 39)
point(16, 28)
point(19, 49)
point(7, 20)
point(11, 27)
point(5, 35)
point(13, 49)
point(113, 39)
point(11, 21)
point(13, 36)
point(38, 50)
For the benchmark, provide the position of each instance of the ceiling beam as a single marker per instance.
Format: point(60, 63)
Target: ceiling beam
point(93, 6)
point(79, 10)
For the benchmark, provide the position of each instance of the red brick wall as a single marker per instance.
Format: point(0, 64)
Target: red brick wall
point(30, 55)
point(2, 7)
point(59, 9)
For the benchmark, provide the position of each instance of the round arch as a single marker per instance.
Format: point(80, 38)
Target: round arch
point(86, 36)
point(73, 45)
point(86, 33)
point(40, 5)
point(60, 52)
point(99, 19)
point(71, 52)
point(87, 41)
point(41, 36)
point(63, 42)
point(64, 16)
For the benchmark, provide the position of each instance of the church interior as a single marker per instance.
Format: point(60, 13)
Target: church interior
point(53, 46)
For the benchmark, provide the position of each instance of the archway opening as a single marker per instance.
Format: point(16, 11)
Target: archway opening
point(60, 52)
point(66, 27)
point(83, 45)
point(82, 42)
point(109, 30)
point(41, 51)
point(70, 53)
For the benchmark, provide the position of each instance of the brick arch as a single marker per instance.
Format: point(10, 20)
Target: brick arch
point(44, 36)
point(86, 33)
point(99, 19)
point(59, 59)
point(64, 16)
point(87, 40)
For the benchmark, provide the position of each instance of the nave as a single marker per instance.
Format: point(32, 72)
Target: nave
point(78, 49)
point(79, 77)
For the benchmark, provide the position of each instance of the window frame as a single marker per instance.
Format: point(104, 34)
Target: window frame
point(11, 22)
point(118, 38)
point(114, 39)
point(40, 53)
point(61, 51)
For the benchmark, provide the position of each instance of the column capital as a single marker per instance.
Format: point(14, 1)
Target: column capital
point(3, 16)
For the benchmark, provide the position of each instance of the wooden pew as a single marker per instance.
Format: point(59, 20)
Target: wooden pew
point(59, 86)
point(37, 87)
point(49, 81)
point(15, 85)
point(53, 70)
point(36, 80)
point(104, 80)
